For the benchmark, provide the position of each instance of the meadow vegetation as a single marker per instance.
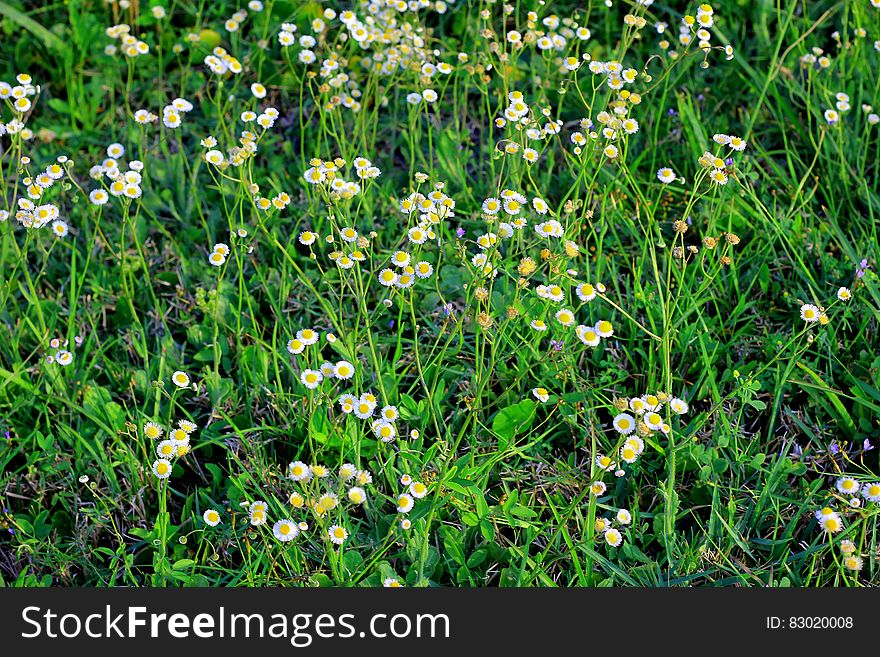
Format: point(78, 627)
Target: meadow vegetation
point(427, 293)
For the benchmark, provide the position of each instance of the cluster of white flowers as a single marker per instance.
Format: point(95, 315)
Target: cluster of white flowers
point(328, 174)
point(172, 114)
point(388, 45)
point(131, 46)
point(122, 183)
point(221, 62)
point(176, 445)
point(20, 96)
point(59, 351)
point(33, 211)
point(219, 254)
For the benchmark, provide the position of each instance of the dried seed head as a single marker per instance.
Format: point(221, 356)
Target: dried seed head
point(527, 266)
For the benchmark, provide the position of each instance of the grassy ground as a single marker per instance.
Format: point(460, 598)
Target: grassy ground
point(498, 428)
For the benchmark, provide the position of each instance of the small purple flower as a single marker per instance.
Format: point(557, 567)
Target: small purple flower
point(867, 446)
point(672, 112)
point(459, 232)
point(834, 448)
point(797, 451)
point(701, 97)
point(448, 308)
point(391, 324)
point(557, 345)
point(729, 162)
